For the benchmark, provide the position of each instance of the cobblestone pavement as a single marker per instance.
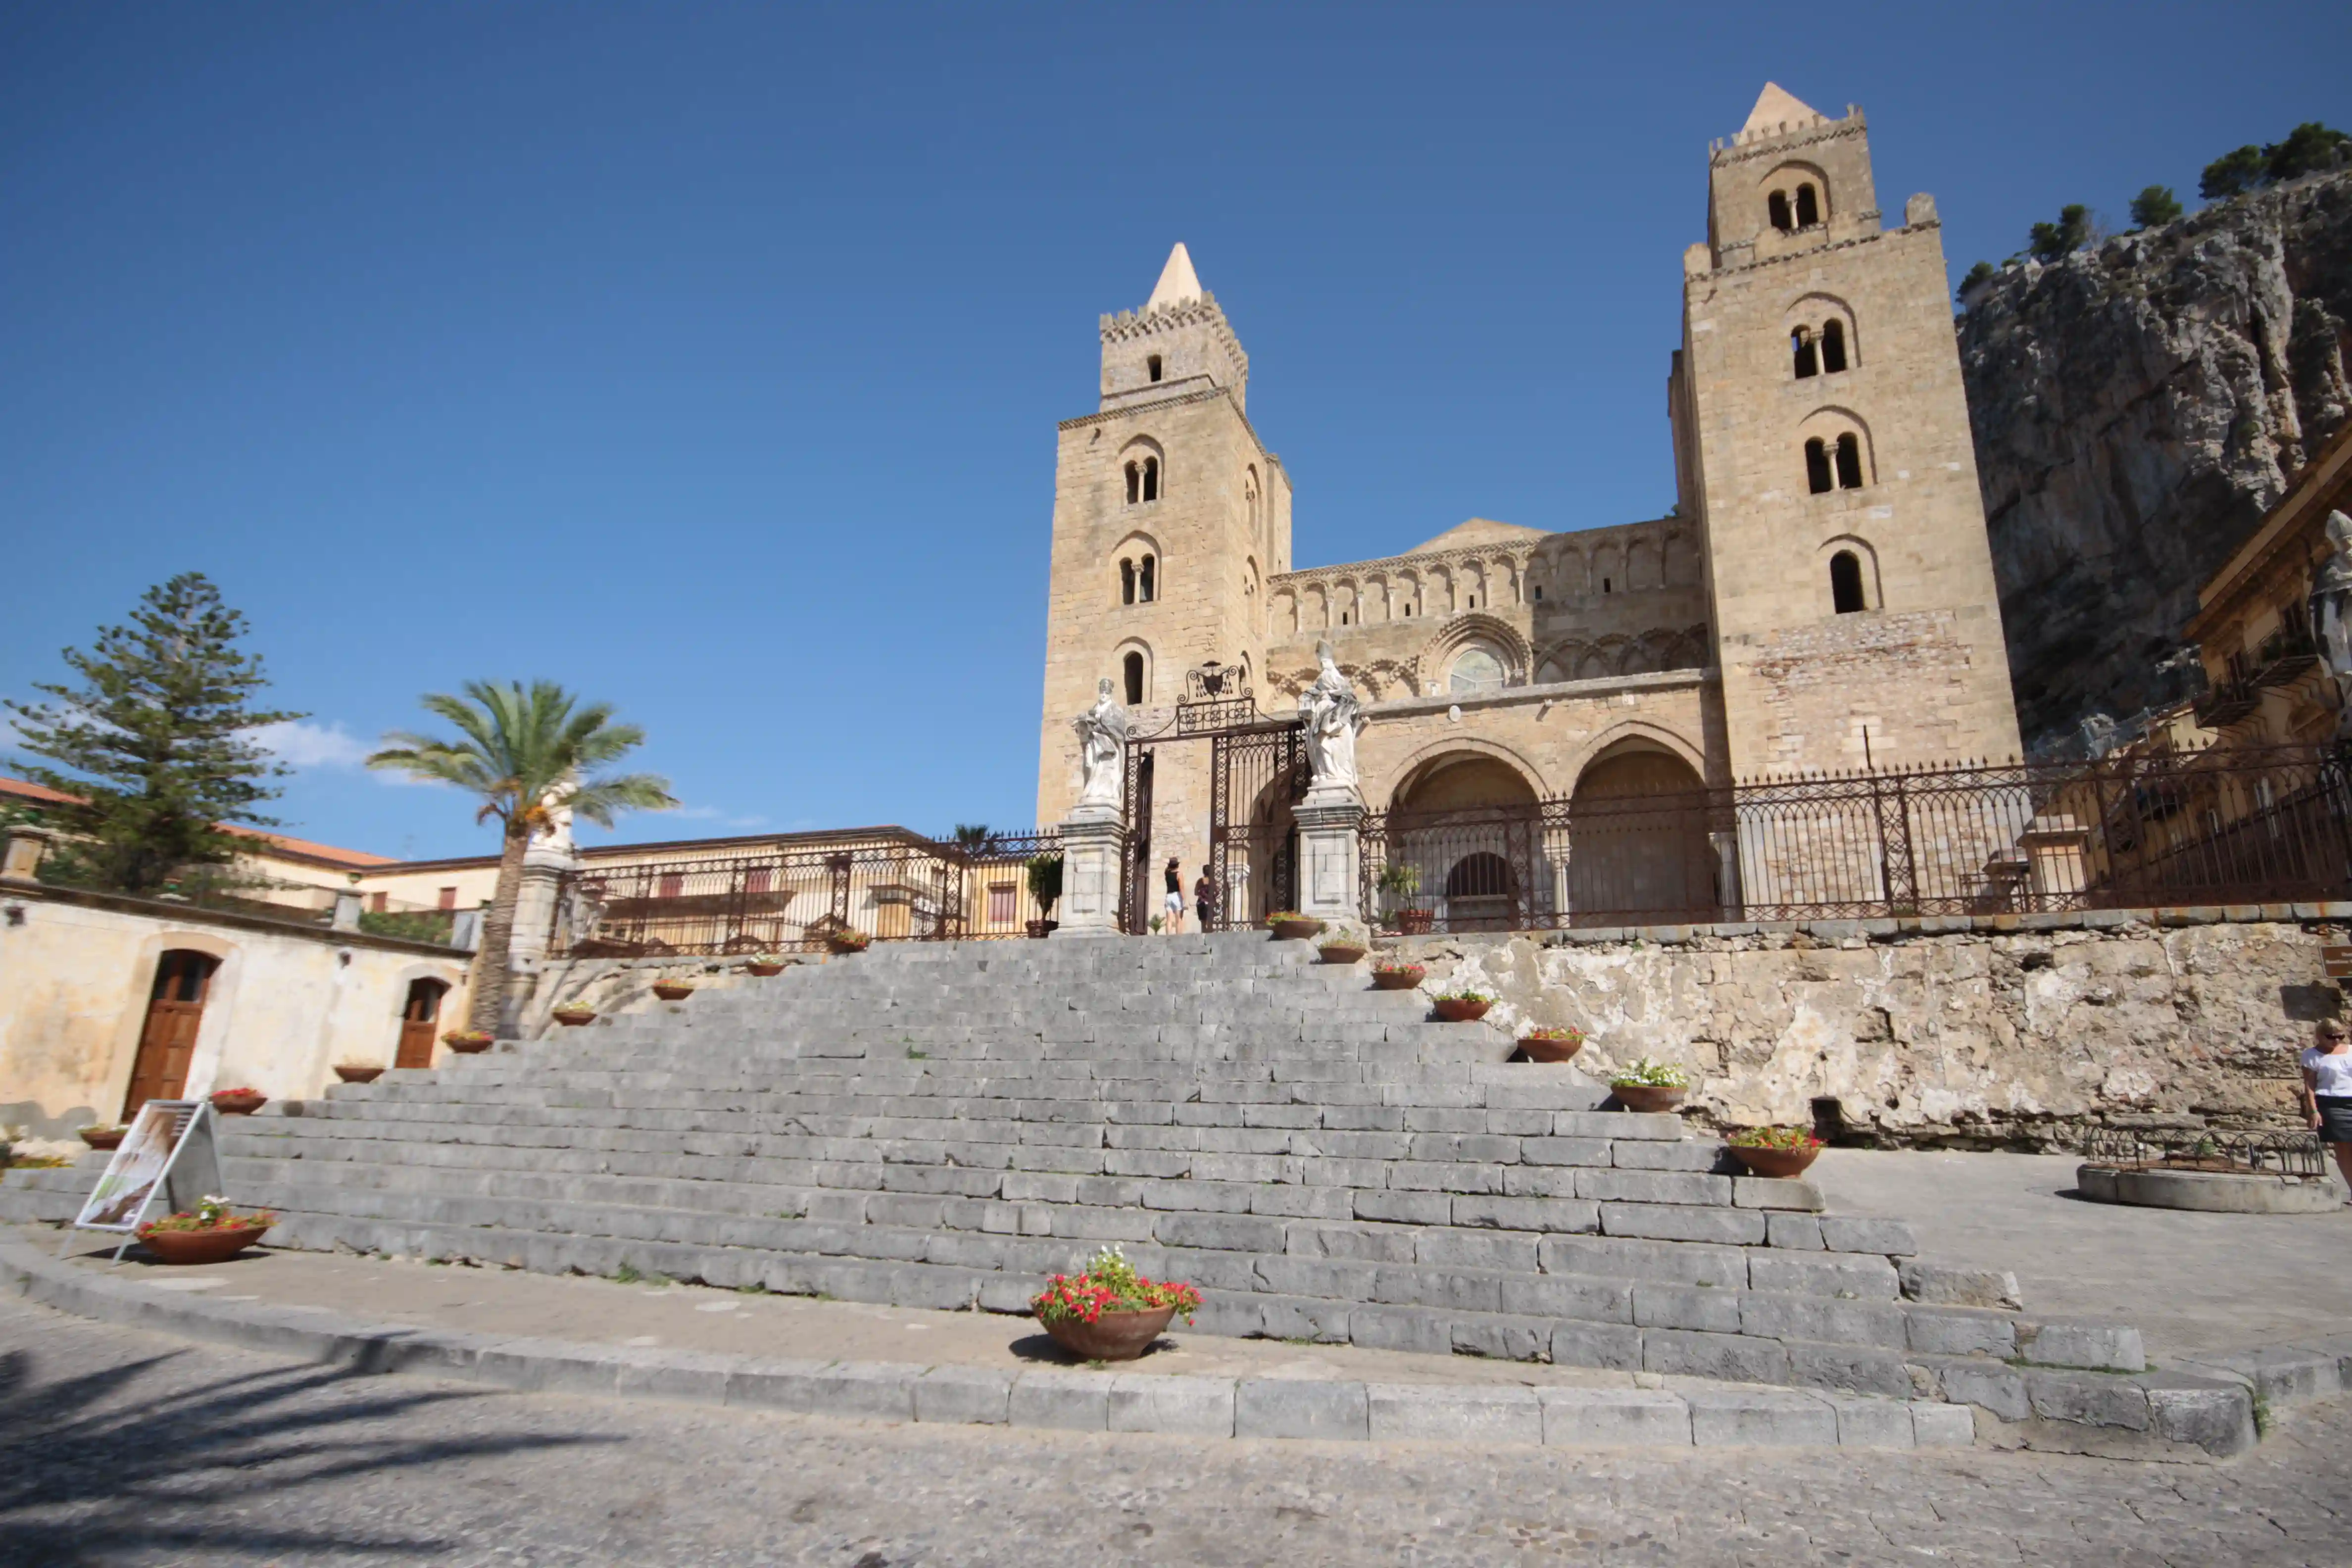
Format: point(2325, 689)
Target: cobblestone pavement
point(122, 1446)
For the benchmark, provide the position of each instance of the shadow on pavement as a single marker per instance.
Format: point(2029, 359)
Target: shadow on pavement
point(139, 1468)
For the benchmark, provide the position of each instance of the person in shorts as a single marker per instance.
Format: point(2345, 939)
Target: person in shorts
point(2328, 1090)
point(1204, 898)
point(1173, 901)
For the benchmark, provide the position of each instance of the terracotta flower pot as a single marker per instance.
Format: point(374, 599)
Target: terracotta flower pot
point(202, 1246)
point(229, 1102)
point(1396, 979)
point(358, 1074)
point(570, 1020)
point(1647, 1096)
point(672, 989)
point(467, 1040)
point(1116, 1336)
point(1342, 951)
point(1416, 922)
point(763, 970)
point(1462, 1009)
point(1041, 929)
point(1775, 1162)
point(102, 1137)
point(837, 945)
point(1551, 1048)
point(1296, 931)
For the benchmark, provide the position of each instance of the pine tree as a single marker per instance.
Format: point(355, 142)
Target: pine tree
point(160, 740)
point(2055, 241)
point(2153, 208)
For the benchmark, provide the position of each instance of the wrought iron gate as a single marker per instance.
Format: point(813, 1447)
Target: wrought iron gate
point(1257, 773)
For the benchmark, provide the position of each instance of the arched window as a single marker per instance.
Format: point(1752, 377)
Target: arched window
point(1249, 496)
point(1845, 584)
point(1849, 461)
point(1475, 671)
point(1817, 466)
point(1801, 347)
point(1809, 210)
point(1151, 478)
point(1127, 581)
point(1147, 587)
point(1777, 204)
point(1132, 667)
point(1154, 367)
point(1832, 347)
point(1134, 483)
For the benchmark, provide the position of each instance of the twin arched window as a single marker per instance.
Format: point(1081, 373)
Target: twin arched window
point(1138, 579)
point(1790, 215)
point(1833, 466)
point(1819, 354)
point(1142, 479)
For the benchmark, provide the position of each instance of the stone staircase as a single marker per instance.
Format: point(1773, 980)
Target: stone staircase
point(942, 1125)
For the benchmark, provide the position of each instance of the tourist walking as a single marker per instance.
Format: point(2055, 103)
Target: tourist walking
point(2328, 1090)
point(1174, 900)
point(1204, 897)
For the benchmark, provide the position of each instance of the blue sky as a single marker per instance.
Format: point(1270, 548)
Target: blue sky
point(706, 358)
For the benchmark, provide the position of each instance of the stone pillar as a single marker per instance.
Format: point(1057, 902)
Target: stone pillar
point(27, 844)
point(1329, 863)
point(543, 866)
point(1093, 838)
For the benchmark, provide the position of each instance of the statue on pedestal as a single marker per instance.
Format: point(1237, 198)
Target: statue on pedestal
point(1334, 716)
point(1102, 751)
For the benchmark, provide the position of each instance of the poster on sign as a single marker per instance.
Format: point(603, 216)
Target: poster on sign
point(167, 1157)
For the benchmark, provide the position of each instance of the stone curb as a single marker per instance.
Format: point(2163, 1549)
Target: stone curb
point(1059, 1397)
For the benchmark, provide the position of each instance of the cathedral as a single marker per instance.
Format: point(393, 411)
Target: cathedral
point(1820, 598)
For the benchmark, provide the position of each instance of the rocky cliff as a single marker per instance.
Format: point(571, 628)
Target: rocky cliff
point(2138, 407)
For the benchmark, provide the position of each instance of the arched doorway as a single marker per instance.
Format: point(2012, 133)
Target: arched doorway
point(176, 1010)
point(1466, 831)
point(1638, 849)
point(418, 1016)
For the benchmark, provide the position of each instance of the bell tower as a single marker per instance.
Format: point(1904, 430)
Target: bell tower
point(1168, 516)
point(1822, 440)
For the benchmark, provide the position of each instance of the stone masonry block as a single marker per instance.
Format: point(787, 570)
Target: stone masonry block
point(1498, 1337)
point(1568, 1296)
point(2216, 1417)
point(2111, 1346)
point(1653, 1187)
point(1578, 1417)
point(1221, 1232)
point(1957, 1331)
point(1565, 1214)
point(1476, 1249)
point(1454, 1413)
point(880, 1390)
point(1830, 1320)
point(1871, 1423)
point(1365, 1243)
point(1857, 1369)
point(1881, 1235)
point(1760, 1417)
point(1775, 1192)
point(1567, 1150)
point(1180, 1406)
point(2089, 1398)
point(1854, 1275)
point(1610, 1346)
point(968, 1395)
point(1990, 1385)
point(1414, 1329)
point(1643, 1154)
point(1938, 1426)
point(1405, 1208)
point(1671, 1222)
point(1301, 1407)
point(1631, 1258)
point(1733, 1358)
point(1687, 1307)
point(1960, 1287)
point(2282, 1374)
point(1074, 1400)
point(774, 1384)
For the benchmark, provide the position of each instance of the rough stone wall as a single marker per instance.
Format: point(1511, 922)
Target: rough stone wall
point(2138, 408)
point(2024, 1039)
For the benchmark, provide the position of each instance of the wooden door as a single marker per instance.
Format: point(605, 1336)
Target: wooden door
point(175, 1009)
point(418, 1020)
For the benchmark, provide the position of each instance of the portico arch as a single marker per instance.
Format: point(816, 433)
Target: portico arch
point(1638, 846)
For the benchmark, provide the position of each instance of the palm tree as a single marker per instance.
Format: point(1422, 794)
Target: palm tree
point(525, 755)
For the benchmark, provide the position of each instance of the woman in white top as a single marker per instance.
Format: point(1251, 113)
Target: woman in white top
point(2328, 1090)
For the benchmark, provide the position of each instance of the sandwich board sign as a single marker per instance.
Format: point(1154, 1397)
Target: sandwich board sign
point(2336, 960)
point(168, 1156)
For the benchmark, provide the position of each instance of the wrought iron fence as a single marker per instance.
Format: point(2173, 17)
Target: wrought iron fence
point(901, 887)
point(2268, 1153)
point(2265, 826)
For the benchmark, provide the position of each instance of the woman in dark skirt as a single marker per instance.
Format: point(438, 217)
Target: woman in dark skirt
point(2327, 1091)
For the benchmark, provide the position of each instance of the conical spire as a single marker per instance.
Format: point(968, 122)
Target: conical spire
point(1775, 106)
point(1177, 281)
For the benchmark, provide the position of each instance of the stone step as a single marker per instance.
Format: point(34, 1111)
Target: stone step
point(1779, 1353)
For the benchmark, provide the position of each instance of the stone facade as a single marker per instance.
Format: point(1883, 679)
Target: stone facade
point(1986, 1034)
point(1761, 626)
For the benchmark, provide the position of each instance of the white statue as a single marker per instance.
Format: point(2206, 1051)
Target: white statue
point(1102, 751)
point(1334, 716)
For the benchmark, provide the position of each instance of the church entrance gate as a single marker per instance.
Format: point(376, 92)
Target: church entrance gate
point(1257, 774)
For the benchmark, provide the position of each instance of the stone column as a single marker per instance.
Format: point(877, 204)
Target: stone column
point(543, 866)
point(1330, 854)
point(27, 844)
point(1093, 838)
